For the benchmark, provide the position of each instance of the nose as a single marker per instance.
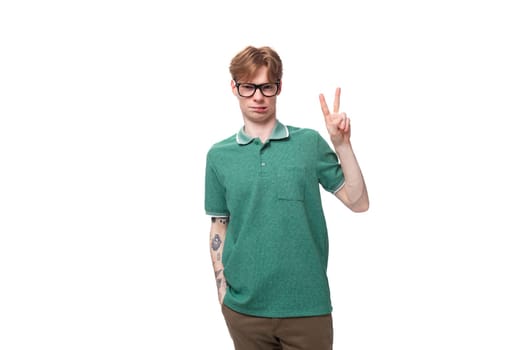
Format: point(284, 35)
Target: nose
point(258, 93)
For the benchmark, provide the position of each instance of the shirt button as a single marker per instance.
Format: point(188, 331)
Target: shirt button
point(263, 164)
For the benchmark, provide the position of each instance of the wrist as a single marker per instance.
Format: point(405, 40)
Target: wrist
point(342, 147)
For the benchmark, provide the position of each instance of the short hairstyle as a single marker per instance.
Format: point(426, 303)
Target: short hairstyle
point(250, 59)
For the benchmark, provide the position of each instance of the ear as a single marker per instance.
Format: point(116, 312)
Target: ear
point(234, 89)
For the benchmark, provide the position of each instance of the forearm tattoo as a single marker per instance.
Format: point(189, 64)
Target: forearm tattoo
point(216, 242)
point(222, 220)
point(218, 280)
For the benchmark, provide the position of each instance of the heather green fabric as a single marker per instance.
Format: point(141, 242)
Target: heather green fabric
point(276, 249)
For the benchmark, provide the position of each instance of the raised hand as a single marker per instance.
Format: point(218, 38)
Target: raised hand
point(337, 123)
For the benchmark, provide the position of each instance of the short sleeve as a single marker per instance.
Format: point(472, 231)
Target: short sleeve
point(329, 170)
point(215, 193)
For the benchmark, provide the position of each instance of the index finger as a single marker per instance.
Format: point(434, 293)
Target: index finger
point(324, 106)
point(337, 99)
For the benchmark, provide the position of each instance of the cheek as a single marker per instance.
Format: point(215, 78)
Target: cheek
point(242, 102)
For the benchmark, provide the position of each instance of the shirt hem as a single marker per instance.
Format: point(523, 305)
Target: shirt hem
point(280, 314)
point(215, 214)
point(337, 189)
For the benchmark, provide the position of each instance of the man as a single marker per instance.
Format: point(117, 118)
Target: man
point(268, 238)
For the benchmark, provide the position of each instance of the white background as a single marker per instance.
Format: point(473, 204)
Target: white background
point(107, 109)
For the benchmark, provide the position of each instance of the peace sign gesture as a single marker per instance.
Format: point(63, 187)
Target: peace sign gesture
point(337, 124)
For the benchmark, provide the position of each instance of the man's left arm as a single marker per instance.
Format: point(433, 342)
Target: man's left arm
point(353, 193)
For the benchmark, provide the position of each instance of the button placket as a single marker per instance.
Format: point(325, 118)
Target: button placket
point(263, 164)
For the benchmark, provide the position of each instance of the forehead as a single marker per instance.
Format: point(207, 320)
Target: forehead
point(258, 77)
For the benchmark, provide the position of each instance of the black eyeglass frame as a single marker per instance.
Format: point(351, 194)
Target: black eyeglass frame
point(258, 87)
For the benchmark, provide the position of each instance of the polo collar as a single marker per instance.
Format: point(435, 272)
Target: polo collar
point(279, 132)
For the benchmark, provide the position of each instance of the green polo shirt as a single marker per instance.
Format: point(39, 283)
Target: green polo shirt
point(276, 249)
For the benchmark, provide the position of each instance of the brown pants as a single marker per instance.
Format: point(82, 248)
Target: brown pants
point(262, 333)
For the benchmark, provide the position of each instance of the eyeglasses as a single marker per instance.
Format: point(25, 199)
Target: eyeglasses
point(248, 90)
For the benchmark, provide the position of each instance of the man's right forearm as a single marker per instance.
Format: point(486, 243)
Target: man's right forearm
point(219, 226)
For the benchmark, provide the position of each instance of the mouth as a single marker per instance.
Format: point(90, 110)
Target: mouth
point(258, 109)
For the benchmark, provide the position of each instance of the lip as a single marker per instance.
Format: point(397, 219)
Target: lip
point(258, 109)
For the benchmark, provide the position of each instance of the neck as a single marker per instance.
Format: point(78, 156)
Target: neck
point(260, 130)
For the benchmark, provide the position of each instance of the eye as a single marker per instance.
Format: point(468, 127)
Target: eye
point(269, 88)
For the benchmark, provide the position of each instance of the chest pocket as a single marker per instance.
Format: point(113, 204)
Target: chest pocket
point(291, 183)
